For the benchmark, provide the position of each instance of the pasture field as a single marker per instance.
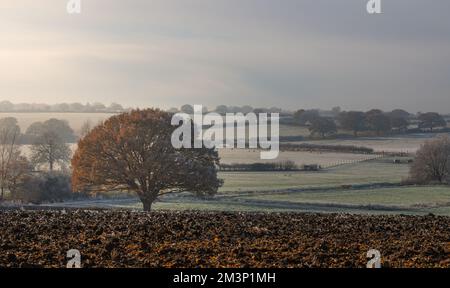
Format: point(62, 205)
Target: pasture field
point(374, 171)
point(416, 199)
point(391, 200)
point(406, 143)
point(364, 188)
point(354, 183)
point(247, 156)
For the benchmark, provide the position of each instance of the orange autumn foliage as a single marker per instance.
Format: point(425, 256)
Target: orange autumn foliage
point(133, 151)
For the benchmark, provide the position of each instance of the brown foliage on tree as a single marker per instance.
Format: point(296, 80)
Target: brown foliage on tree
point(432, 163)
point(133, 151)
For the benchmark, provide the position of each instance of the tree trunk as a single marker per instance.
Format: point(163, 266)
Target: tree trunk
point(51, 165)
point(147, 205)
point(147, 198)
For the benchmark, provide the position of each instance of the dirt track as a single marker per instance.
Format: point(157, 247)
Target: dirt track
point(201, 239)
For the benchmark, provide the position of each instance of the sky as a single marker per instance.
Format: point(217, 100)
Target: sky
point(286, 53)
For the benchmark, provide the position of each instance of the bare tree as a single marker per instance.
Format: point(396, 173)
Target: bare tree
point(19, 170)
point(50, 149)
point(432, 163)
point(86, 128)
point(9, 151)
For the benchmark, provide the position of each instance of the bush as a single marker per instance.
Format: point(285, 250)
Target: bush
point(432, 163)
point(45, 187)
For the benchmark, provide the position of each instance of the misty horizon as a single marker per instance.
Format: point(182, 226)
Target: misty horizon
point(295, 54)
point(119, 107)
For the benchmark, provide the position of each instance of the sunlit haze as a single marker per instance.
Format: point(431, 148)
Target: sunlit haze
point(291, 53)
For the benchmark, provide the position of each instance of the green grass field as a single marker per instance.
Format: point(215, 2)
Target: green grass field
point(370, 187)
point(374, 171)
point(246, 156)
point(406, 143)
point(408, 197)
point(374, 190)
point(391, 200)
point(374, 182)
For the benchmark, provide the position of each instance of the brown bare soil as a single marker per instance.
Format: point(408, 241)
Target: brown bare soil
point(204, 239)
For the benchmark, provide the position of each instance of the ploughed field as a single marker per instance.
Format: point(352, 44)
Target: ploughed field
point(108, 238)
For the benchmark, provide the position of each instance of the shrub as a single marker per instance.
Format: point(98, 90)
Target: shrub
point(45, 187)
point(432, 163)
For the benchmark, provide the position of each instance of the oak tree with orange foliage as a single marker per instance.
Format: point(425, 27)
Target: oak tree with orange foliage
point(133, 151)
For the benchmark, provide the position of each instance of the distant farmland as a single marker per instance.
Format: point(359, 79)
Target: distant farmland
point(354, 183)
point(407, 143)
point(246, 156)
point(363, 188)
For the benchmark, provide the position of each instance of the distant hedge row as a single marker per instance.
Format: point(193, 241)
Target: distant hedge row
point(326, 148)
point(275, 166)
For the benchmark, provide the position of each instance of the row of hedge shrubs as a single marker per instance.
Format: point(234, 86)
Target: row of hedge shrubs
point(274, 166)
point(325, 148)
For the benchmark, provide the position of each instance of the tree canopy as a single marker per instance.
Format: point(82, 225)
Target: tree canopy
point(432, 163)
point(322, 126)
point(133, 151)
point(353, 121)
point(431, 120)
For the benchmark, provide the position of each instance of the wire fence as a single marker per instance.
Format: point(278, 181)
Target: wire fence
point(353, 161)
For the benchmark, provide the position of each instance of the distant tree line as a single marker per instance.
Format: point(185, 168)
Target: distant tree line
point(323, 123)
point(375, 122)
point(223, 109)
point(7, 106)
point(38, 130)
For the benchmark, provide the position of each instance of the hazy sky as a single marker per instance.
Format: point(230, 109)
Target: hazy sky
point(286, 53)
